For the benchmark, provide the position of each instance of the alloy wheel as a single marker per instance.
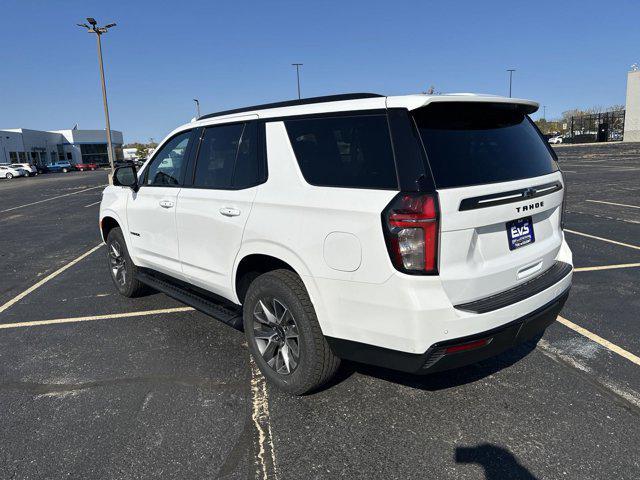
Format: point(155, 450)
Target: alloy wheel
point(118, 263)
point(276, 335)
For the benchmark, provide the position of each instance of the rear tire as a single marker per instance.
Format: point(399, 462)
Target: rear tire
point(64, 170)
point(284, 335)
point(9, 176)
point(123, 270)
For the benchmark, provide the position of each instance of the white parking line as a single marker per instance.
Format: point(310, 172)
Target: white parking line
point(603, 239)
point(20, 296)
point(596, 338)
point(266, 459)
point(92, 204)
point(95, 317)
point(51, 198)
point(613, 203)
point(606, 267)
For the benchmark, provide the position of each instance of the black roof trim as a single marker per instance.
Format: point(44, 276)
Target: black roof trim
point(293, 103)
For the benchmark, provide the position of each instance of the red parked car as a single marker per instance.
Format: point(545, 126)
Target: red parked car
point(86, 166)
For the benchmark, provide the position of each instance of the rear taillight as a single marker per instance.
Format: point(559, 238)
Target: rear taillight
point(410, 222)
point(564, 201)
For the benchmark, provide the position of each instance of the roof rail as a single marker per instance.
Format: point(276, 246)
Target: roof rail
point(293, 103)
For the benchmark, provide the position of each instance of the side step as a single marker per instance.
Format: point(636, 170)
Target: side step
point(228, 314)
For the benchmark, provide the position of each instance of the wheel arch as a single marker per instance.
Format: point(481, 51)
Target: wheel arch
point(267, 257)
point(110, 220)
point(261, 257)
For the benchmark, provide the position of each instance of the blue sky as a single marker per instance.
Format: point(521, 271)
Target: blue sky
point(230, 54)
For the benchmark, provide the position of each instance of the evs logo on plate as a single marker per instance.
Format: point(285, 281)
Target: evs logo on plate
point(520, 233)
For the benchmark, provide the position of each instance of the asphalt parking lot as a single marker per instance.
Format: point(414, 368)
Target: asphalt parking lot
point(152, 389)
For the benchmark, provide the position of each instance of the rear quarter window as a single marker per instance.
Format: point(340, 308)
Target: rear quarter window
point(476, 143)
point(344, 151)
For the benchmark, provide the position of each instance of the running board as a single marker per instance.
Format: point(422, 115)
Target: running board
point(228, 314)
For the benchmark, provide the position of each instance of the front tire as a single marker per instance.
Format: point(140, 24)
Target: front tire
point(284, 335)
point(9, 176)
point(123, 270)
point(64, 170)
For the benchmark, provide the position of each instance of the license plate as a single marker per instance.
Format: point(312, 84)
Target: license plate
point(520, 233)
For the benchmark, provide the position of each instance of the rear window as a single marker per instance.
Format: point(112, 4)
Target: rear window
point(475, 143)
point(349, 151)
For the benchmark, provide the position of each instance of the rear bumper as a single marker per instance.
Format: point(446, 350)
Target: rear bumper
point(453, 353)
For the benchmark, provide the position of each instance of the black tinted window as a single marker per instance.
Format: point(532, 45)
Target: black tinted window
point(217, 156)
point(344, 151)
point(475, 143)
point(169, 163)
point(247, 171)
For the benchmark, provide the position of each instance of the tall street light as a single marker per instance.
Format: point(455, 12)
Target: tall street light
point(197, 108)
point(510, 70)
point(298, 65)
point(99, 31)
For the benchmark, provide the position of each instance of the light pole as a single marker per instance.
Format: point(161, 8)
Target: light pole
point(298, 65)
point(197, 108)
point(510, 70)
point(99, 31)
point(544, 109)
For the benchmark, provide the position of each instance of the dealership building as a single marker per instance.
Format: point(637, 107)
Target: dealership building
point(39, 147)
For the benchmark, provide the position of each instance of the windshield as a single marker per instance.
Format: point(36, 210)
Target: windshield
point(475, 143)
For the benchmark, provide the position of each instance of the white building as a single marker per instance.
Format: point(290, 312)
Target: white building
point(21, 145)
point(130, 153)
point(632, 112)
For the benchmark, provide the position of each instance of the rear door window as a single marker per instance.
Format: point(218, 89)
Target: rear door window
point(217, 156)
point(344, 151)
point(476, 143)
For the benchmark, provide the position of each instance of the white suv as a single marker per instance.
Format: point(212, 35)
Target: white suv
point(419, 233)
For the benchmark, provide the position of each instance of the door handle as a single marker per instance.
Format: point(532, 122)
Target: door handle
point(166, 203)
point(230, 212)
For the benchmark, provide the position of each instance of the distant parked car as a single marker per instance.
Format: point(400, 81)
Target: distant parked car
point(31, 169)
point(9, 172)
point(63, 167)
point(555, 140)
point(86, 166)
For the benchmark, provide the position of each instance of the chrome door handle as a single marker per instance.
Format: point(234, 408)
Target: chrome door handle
point(166, 203)
point(230, 212)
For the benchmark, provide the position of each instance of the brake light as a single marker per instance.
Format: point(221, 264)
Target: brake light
point(411, 229)
point(564, 201)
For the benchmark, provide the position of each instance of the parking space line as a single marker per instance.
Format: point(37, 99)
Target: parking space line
point(598, 339)
point(260, 415)
point(603, 239)
point(96, 317)
point(51, 198)
point(92, 204)
point(606, 267)
point(613, 203)
point(37, 285)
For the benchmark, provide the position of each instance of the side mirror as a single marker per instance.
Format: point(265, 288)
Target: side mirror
point(126, 177)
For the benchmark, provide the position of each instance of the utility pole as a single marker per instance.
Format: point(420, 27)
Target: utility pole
point(510, 70)
point(197, 108)
point(99, 31)
point(298, 65)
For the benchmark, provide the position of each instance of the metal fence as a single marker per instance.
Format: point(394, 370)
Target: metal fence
point(594, 127)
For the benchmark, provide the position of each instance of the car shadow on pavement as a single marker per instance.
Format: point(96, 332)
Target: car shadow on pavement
point(440, 380)
point(498, 463)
